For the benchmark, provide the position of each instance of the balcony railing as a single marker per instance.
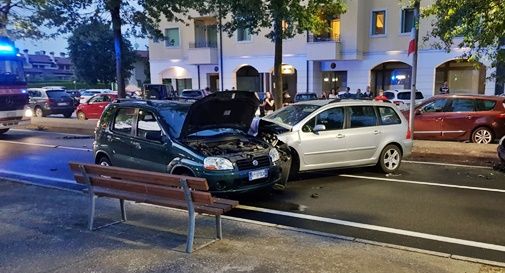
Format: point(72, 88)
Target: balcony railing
point(311, 38)
point(203, 45)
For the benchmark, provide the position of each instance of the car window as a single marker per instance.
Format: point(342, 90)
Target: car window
point(332, 119)
point(293, 114)
point(435, 106)
point(389, 116)
point(406, 95)
point(485, 105)
point(192, 94)
point(362, 116)
point(97, 99)
point(123, 120)
point(35, 94)
point(147, 123)
point(389, 95)
point(462, 105)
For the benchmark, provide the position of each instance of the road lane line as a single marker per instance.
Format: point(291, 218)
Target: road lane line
point(423, 183)
point(3, 172)
point(445, 164)
point(378, 228)
point(45, 145)
point(49, 132)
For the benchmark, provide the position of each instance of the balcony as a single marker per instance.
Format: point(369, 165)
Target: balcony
point(324, 47)
point(202, 53)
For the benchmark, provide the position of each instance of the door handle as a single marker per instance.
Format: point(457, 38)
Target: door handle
point(340, 135)
point(376, 132)
point(137, 145)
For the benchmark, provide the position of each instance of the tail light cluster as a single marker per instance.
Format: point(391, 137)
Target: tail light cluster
point(50, 102)
point(397, 102)
point(409, 134)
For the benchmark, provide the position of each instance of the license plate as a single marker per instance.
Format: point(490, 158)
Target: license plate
point(258, 174)
point(62, 103)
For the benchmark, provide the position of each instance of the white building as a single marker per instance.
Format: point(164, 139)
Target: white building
point(366, 46)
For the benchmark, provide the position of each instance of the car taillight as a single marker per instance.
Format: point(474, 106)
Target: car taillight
point(409, 134)
point(502, 115)
point(397, 102)
point(50, 101)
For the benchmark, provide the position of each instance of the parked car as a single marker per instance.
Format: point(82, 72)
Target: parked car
point(305, 97)
point(93, 108)
point(207, 138)
point(501, 149)
point(88, 93)
point(401, 97)
point(192, 94)
point(477, 118)
point(326, 134)
point(44, 102)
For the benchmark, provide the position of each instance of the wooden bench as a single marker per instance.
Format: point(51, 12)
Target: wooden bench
point(174, 191)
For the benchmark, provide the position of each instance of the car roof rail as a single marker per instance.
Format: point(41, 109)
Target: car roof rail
point(336, 100)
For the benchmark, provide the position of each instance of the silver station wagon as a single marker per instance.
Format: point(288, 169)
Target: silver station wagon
point(324, 134)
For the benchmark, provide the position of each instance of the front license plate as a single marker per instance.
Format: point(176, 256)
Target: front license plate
point(258, 174)
point(62, 103)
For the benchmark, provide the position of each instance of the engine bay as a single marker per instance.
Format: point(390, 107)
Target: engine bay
point(229, 146)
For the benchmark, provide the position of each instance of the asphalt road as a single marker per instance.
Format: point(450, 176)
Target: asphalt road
point(444, 208)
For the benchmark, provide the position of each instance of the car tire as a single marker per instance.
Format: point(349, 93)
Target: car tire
point(482, 135)
point(67, 115)
point(81, 115)
point(39, 112)
point(104, 161)
point(390, 159)
point(294, 170)
point(3, 131)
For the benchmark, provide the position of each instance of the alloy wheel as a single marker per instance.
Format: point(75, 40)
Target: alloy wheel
point(391, 159)
point(482, 136)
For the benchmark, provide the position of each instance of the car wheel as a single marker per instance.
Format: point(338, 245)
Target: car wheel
point(67, 115)
point(482, 135)
point(38, 112)
point(104, 161)
point(390, 159)
point(295, 167)
point(81, 115)
point(3, 131)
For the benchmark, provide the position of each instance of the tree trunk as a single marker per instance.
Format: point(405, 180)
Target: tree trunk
point(278, 64)
point(115, 10)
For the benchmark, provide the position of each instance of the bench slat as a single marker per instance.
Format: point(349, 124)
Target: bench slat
point(141, 176)
point(143, 198)
point(232, 203)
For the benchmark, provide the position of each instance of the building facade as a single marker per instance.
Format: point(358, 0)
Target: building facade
point(47, 67)
point(366, 46)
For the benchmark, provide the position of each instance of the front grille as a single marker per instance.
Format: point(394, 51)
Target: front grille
point(247, 164)
point(13, 102)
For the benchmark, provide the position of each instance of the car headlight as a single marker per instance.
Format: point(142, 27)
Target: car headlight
point(217, 164)
point(274, 155)
point(28, 112)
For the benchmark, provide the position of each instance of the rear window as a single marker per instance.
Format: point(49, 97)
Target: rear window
point(56, 94)
point(485, 105)
point(389, 116)
point(362, 116)
point(389, 95)
point(406, 96)
point(192, 94)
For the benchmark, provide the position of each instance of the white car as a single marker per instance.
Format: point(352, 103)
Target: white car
point(327, 134)
point(88, 93)
point(401, 97)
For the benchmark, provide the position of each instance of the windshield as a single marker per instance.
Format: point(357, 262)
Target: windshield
point(406, 96)
point(191, 94)
point(90, 93)
point(174, 118)
point(293, 114)
point(11, 71)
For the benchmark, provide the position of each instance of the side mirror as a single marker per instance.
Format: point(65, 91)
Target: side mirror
point(418, 112)
point(154, 136)
point(319, 128)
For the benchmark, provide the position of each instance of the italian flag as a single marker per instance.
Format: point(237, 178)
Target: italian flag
point(412, 43)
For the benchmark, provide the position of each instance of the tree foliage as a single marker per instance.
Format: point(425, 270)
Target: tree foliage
point(22, 19)
point(476, 24)
point(91, 48)
point(283, 18)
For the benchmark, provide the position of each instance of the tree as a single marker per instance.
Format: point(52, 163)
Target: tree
point(284, 19)
point(91, 48)
point(22, 19)
point(140, 18)
point(480, 24)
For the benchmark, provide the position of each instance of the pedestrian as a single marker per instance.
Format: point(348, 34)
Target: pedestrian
point(233, 88)
point(347, 94)
point(333, 94)
point(324, 96)
point(381, 96)
point(368, 91)
point(359, 95)
point(268, 103)
point(444, 89)
point(286, 99)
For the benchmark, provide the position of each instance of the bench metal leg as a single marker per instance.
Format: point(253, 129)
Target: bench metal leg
point(123, 210)
point(92, 199)
point(219, 230)
point(191, 232)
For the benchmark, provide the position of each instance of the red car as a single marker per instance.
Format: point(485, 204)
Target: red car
point(478, 118)
point(94, 107)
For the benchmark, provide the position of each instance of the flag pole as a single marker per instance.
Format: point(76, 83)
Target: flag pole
point(414, 66)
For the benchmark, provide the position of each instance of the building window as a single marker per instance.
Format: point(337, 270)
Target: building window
point(243, 35)
point(182, 84)
point(407, 20)
point(379, 22)
point(172, 37)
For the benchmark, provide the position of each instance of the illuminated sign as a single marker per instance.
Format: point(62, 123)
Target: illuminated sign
point(288, 69)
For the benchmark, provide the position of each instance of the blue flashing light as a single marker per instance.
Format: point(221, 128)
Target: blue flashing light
point(6, 49)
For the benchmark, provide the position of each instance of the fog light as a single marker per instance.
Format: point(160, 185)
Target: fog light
point(28, 113)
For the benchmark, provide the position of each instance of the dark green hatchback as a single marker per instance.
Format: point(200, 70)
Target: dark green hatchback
point(207, 138)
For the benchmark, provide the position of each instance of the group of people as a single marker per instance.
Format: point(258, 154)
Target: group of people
point(334, 94)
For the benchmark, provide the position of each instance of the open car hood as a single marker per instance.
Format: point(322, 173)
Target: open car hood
point(227, 109)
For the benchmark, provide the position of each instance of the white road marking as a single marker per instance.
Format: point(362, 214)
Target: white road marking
point(47, 132)
point(445, 164)
point(423, 183)
point(45, 145)
point(379, 228)
point(25, 175)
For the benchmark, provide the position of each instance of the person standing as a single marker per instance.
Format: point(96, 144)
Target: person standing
point(444, 89)
point(268, 103)
point(381, 96)
point(333, 94)
point(359, 95)
point(286, 99)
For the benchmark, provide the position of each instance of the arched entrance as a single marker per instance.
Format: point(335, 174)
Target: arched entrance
point(289, 79)
point(391, 75)
point(462, 77)
point(248, 79)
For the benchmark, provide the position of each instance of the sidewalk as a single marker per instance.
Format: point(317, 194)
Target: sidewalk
point(455, 152)
point(43, 230)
